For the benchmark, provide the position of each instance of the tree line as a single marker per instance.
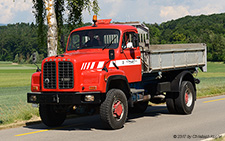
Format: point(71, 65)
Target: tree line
point(19, 41)
point(53, 12)
point(193, 29)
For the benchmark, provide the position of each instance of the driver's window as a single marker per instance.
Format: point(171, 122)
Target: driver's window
point(127, 40)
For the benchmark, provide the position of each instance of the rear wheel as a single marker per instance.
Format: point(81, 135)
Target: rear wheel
point(182, 102)
point(170, 103)
point(186, 100)
point(50, 116)
point(113, 111)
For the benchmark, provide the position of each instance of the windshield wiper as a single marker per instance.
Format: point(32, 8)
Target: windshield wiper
point(109, 43)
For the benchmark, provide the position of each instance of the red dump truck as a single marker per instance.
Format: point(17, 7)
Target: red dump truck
point(112, 67)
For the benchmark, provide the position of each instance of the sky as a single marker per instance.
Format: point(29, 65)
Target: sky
point(148, 11)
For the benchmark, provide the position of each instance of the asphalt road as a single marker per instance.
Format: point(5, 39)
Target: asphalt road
point(207, 120)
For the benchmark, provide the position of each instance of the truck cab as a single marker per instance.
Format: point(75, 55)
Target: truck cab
point(85, 65)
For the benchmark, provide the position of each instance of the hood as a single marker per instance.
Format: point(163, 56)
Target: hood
point(80, 56)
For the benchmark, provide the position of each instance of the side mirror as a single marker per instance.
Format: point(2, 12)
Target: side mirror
point(34, 58)
point(111, 57)
point(111, 54)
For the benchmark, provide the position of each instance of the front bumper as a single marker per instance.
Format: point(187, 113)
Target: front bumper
point(62, 98)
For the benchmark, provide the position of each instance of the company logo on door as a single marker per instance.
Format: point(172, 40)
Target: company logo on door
point(126, 62)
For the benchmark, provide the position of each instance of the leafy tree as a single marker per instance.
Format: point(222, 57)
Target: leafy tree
point(22, 38)
point(40, 14)
point(193, 29)
point(75, 8)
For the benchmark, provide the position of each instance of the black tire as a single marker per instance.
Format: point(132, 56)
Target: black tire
point(139, 107)
point(170, 103)
point(114, 110)
point(182, 102)
point(186, 100)
point(50, 117)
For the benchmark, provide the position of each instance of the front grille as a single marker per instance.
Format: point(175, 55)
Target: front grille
point(65, 75)
point(49, 75)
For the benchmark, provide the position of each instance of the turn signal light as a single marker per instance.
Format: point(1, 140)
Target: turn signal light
point(105, 78)
point(92, 87)
point(35, 88)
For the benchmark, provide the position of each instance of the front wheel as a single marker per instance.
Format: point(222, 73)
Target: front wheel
point(114, 110)
point(50, 116)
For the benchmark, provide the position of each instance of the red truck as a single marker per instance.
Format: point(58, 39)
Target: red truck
point(112, 67)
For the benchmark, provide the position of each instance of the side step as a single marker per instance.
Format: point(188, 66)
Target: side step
point(139, 95)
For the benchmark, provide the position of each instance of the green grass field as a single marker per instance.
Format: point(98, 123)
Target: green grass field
point(212, 82)
point(15, 83)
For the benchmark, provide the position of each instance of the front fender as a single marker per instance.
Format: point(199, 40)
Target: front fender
point(98, 79)
point(114, 75)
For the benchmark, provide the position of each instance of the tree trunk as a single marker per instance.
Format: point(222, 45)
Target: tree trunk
point(52, 28)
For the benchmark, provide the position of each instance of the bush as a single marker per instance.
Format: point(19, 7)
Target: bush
point(16, 60)
point(21, 59)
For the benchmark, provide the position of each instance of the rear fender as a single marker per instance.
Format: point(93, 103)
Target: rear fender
point(183, 76)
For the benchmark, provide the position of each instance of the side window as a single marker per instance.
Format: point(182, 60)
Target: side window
point(128, 40)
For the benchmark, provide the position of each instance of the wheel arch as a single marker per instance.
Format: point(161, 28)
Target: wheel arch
point(177, 81)
point(118, 82)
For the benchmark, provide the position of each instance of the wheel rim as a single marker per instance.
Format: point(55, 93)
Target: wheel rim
point(117, 110)
point(188, 98)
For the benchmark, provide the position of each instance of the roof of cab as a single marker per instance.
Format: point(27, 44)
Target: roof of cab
point(121, 27)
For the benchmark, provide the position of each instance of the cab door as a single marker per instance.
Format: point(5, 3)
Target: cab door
point(130, 57)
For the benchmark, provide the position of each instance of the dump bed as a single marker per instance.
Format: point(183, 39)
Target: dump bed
point(174, 56)
point(169, 56)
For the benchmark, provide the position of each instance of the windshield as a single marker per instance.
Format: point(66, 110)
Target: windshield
point(98, 38)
